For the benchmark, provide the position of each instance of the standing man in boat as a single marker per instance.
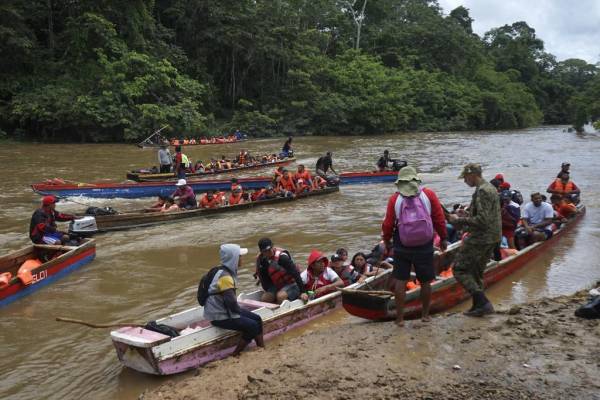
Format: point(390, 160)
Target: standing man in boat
point(483, 223)
point(222, 308)
point(412, 216)
point(181, 163)
point(42, 228)
point(287, 151)
point(164, 158)
point(324, 164)
point(278, 274)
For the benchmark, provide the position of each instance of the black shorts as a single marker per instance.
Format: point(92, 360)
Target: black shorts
point(421, 261)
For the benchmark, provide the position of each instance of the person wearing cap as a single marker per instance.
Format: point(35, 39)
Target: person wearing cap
point(511, 215)
point(164, 158)
point(278, 274)
point(483, 222)
point(319, 279)
point(184, 195)
point(345, 271)
point(413, 242)
point(42, 228)
point(565, 187)
point(222, 308)
point(324, 164)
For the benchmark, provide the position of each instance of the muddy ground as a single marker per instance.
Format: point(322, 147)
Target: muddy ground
point(538, 350)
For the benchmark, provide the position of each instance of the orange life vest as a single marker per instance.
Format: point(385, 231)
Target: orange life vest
point(233, 199)
point(304, 175)
point(287, 183)
point(206, 203)
point(563, 188)
point(24, 273)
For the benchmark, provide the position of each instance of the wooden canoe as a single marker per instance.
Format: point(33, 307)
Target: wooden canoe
point(150, 177)
point(165, 188)
point(446, 291)
point(62, 261)
point(140, 218)
point(201, 343)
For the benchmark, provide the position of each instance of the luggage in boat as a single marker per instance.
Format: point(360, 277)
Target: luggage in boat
point(161, 328)
point(100, 211)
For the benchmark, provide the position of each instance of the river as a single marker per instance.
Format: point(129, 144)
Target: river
point(144, 274)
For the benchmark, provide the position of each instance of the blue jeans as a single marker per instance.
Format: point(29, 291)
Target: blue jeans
point(248, 323)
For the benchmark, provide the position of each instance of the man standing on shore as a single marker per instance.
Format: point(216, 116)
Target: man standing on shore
point(483, 223)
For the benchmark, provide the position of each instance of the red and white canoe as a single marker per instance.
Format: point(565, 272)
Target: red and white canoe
point(446, 291)
point(200, 342)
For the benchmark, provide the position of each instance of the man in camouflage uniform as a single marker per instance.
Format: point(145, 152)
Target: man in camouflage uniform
point(483, 223)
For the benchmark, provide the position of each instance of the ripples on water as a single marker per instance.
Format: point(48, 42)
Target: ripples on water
point(143, 274)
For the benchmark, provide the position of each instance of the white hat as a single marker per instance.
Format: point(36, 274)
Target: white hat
point(243, 251)
point(181, 182)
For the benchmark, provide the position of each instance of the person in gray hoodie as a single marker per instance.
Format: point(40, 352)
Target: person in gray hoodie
point(222, 308)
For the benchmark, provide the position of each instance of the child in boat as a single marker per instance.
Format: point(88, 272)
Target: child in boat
point(169, 205)
point(222, 308)
point(345, 272)
point(318, 278)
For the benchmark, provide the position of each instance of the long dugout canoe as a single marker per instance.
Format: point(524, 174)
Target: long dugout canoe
point(166, 188)
point(116, 222)
point(63, 260)
point(446, 291)
point(149, 177)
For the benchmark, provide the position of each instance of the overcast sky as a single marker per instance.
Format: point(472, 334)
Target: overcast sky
point(569, 29)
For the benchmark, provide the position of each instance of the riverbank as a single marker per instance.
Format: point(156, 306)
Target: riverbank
point(538, 350)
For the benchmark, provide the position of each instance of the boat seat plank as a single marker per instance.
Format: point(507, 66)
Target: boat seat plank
point(140, 337)
point(258, 304)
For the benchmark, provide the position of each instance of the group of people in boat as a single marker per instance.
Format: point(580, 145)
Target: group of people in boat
point(281, 279)
point(234, 137)
point(180, 163)
point(289, 183)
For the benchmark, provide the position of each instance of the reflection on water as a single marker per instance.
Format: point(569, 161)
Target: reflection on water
point(143, 274)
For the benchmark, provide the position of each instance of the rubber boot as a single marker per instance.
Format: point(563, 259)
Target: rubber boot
point(260, 341)
point(483, 306)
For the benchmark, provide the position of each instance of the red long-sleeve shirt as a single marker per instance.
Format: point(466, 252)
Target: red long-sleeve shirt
point(437, 216)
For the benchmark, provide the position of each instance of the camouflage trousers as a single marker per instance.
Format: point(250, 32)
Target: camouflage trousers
point(470, 264)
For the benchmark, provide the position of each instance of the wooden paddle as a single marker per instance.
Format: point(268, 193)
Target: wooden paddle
point(93, 325)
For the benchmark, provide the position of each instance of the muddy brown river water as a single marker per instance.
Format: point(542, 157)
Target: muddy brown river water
point(144, 274)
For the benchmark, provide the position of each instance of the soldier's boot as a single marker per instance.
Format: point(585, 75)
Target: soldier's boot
point(482, 306)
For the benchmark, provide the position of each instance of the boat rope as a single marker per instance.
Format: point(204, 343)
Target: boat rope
point(94, 325)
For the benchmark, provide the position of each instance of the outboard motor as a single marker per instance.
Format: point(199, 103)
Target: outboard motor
point(397, 165)
point(333, 180)
point(85, 226)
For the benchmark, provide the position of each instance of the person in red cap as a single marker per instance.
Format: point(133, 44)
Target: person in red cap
point(42, 229)
point(318, 278)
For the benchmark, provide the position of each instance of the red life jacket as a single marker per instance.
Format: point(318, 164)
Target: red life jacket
point(346, 275)
point(287, 184)
point(233, 199)
point(304, 175)
point(320, 281)
point(279, 276)
point(562, 188)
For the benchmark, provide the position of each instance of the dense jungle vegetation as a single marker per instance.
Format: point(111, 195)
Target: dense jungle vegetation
point(111, 70)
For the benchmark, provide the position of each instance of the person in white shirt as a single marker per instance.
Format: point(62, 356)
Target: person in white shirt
point(537, 218)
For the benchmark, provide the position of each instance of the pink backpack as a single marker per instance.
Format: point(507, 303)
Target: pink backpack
point(414, 223)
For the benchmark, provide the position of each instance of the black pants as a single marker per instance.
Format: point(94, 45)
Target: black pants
point(165, 168)
point(248, 323)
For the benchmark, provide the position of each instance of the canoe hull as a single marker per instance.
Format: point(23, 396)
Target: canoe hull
point(447, 293)
point(145, 359)
point(153, 189)
point(49, 272)
point(146, 177)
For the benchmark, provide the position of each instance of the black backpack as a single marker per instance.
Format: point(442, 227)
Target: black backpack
point(205, 284)
point(100, 211)
point(591, 310)
point(517, 197)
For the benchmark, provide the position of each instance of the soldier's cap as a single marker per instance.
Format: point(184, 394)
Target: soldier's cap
point(470, 168)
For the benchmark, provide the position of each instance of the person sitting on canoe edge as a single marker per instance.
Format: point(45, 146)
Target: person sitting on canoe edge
point(182, 163)
point(563, 209)
point(536, 218)
point(324, 164)
point(184, 195)
point(169, 205)
point(318, 278)
point(42, 228)
point(221, 307)
point(278, 274)
point(286, 184)
point(304, 174)
point(210, 200)
point(483, 223)
point(565, 187)
point(346, 272)
point(413, 215)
